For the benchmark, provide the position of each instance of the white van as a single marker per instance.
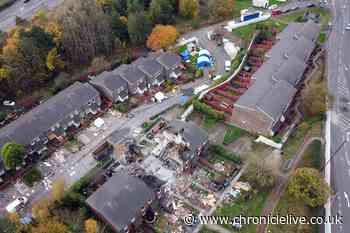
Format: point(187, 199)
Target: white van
point(16, 205)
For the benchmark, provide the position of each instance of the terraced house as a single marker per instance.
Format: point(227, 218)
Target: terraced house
point(138, 77)
point(112, 86)
point(265, 106)
point(51, 120)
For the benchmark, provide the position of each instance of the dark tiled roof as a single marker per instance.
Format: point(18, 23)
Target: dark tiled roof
point(169, 60)
point(42, 118)
point(120, 199)
point(109, 80)
point(151, 67)
point(130, 73)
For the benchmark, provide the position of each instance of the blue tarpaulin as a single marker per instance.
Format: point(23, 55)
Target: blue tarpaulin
point(183, 100)
point(185, 55)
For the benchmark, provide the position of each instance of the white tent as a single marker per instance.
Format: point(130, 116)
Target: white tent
point(231, 49)
point(99, 122)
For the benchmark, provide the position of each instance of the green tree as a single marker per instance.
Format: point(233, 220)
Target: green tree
point(12, 155)
point(119, 27)
point(162, 12)
point(86, 31)
point(139, 27)
point(189, 8)
point(308, 185)
point(260, 173)
point(7, 226)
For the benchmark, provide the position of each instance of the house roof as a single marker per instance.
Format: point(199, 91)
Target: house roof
point(149, 66)
point(109, 80)
point(273, 88)
point(274, 102)
point(296, 40)
point(291, 71)
point(130, 73)
point(192, 134)
point(169, 60)
point(309, 30)
point(120, 199)
point(42, 118)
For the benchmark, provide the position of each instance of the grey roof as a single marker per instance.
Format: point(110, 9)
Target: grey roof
point(150, 67)
point(130, 73)
point(109, 80)
point(277, 99)
point(298, 39)
point(120, 199)
point(273, 88)
point(169, 60)
point(42, 118)
point(192, 134)
point(309, 30)
point(291, 71)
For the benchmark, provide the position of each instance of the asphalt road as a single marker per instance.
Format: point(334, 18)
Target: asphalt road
point(339, 86)
point(24, 10)
point(79, 164)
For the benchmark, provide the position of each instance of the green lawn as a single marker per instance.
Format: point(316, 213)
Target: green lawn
point(232, 134)
point(281, 22)
point(209, 122)
point(250, 207)
point(206, 230)
point(312, 156)
point(322, 38)
point(240, 5)
point(295, 140)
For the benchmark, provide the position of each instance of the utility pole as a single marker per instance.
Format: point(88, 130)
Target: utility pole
point(334, 154)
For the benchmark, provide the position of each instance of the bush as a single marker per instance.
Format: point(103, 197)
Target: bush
point(121, 107)
point(199, 73)
point(206, 109)
point(2, 116)
point(31, 177)
point(222, 152)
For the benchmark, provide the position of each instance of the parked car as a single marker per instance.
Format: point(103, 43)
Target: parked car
point(16, 205)
point(9, 103)
point(347, 27)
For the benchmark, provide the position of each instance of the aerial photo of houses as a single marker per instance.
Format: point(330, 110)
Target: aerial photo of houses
point(174, 116)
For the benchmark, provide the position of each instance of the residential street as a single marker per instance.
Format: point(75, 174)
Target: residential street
point(339, 84)
point(24, 10)
point(74, 166)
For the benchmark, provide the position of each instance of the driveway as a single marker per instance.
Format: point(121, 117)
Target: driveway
point(217, 52)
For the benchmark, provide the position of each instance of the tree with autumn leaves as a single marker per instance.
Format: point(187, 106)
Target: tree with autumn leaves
point(162, 36)
point(221, 9)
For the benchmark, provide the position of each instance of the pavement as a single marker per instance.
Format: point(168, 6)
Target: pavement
point(339, 116)
point(24, 10)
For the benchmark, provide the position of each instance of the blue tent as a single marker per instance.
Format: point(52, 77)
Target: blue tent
point(204, 53)
point(185, 55)
point(203, 61)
